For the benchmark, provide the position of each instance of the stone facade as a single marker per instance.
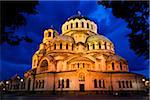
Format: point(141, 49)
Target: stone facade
point(79, 59)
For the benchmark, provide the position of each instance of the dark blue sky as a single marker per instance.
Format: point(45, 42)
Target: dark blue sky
point(17, 59)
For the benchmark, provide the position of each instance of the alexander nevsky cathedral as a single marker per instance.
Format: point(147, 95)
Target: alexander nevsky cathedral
point(78, 60)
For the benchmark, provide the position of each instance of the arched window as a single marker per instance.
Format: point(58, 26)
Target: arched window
point(103, 84)
point(62, 83)
point(119, 84)
point(113, 67)
point(67, 27)
point(67, 83)
point(91, 26)
point(105, 45)
point(72, 46)
point(67, 46)
point(95, 83)
point(78, 65)
point(81, 77)
point(54, 46)
point(87, 46)
point(42, 83)
point(49, 34)
point(58, 83)
point(82, 25)
point(100, 84)
point(123, 84)
point(130, 84)
point(60, 45)
point(44, 63)
point(127, 84)
point(71, 25)
point(87, 25)
point(76, 24)
point(39, 84)
point(83, 65)
point(99, 45)
point(120, 66)
point(93, 46)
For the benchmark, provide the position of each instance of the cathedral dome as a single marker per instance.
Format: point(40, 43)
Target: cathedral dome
point(115, 58)
point(79, 23)
point(63, 38)
point(94, 38)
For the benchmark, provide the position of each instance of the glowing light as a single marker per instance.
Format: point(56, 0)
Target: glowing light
point(21, 80)
point(60, 78)
point(7, 82)
point(143, 80)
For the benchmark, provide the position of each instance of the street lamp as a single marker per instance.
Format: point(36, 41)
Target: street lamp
point(143, 80)
point(7, 82)
point(21, 80)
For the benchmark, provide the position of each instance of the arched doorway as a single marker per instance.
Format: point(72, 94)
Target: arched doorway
point(81, 82)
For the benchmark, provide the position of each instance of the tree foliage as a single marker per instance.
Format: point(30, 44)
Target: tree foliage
point(12, 17)
point(136, 13)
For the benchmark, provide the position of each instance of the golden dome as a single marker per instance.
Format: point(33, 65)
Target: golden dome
point(98, 38)
point(63, 38)
point(115, 58)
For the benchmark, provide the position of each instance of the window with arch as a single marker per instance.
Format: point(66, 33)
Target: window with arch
point(119, 82)
point(93, 46)
point(49, 34)
point(87, 25)
point(127, 84)
point(81, 77)
point(113, 66)
point(78, 65)
point(67, 27)
point(105, 45)
point(72, 46)
point(62, 83)
point(95, 83)
point(76, 24)
point(130, 84)
point(67, 46)
point(99, 44)
point(100, 84)
point(42, 84)
point(123, 84)
point(58, 83)
point(87, 46)
point(67, 83)
point(120, 66)
point(60, 45)
point(54, 46)
point(91, 26)
point(44, 65)
point(82, 25)
point(71, 25)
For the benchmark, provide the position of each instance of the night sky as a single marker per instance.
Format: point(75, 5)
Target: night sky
point(17, 59)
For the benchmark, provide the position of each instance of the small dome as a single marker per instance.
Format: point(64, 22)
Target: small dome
point(63, 38)
point(98, 38)
point(115, 58)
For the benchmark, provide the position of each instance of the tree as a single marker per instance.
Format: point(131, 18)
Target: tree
point(12, 17)
point(136, 13)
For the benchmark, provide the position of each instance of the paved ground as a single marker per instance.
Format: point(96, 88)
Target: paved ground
point(73, 98)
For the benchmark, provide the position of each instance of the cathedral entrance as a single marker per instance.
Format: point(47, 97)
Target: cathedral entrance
point(81, 87)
